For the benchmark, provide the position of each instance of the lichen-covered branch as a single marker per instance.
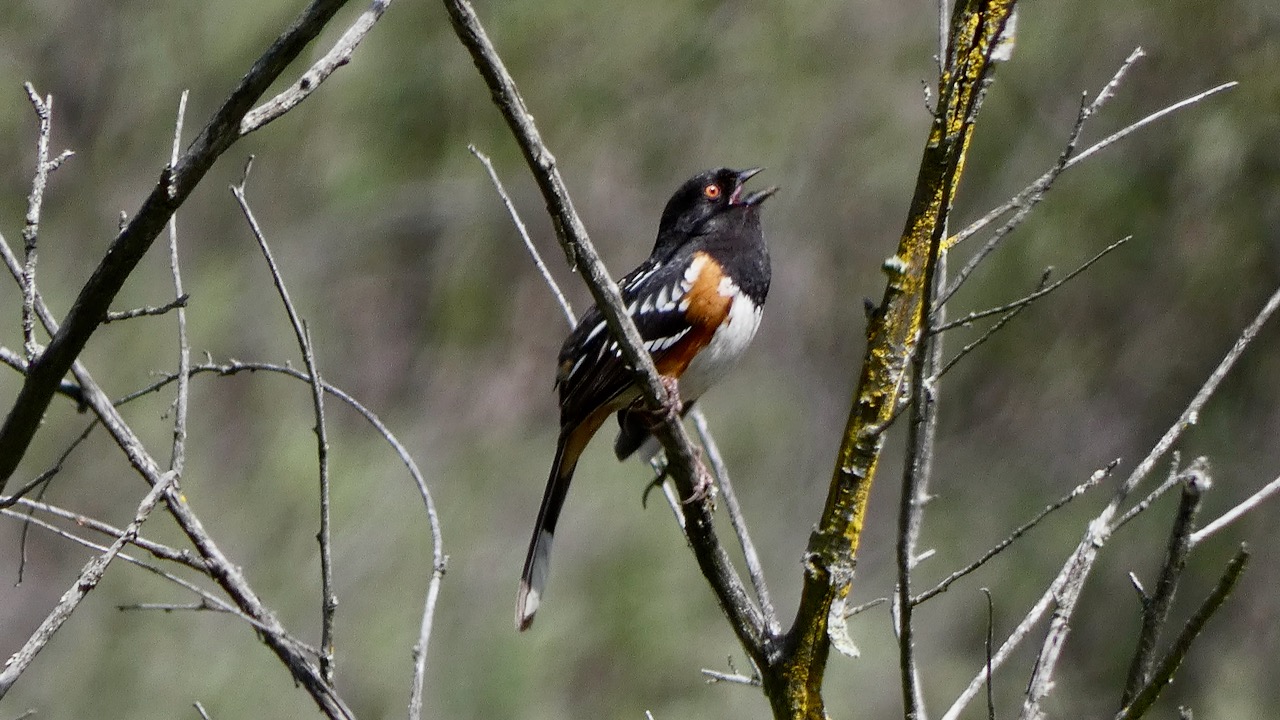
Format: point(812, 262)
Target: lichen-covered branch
point(892, 335)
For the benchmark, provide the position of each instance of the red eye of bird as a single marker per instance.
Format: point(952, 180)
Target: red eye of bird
point(712, 191)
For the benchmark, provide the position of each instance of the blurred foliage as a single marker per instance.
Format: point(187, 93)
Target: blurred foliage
point(425, 307)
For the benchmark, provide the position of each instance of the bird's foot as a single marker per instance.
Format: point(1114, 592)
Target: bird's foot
point(672, 406)
point(704, 486)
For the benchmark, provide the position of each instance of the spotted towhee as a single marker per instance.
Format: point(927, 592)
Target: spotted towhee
point(696, 302)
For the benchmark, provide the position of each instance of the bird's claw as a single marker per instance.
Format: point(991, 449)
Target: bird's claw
point(672, 406)
point(704, 488)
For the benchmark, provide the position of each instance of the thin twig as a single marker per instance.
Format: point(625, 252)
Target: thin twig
point(988, 334)
point(733, 676)
point(149, 310)
point(1164, 672)
point(715, 676)
point(158, 550)
point(48, 474)
point(302, 333)
point(990, 641)
point(1097, 477)
point(1236, 512)
point(917, 470)
point(178, 456)
point(31, 231)
point(1155, 609)
point(755, 571)
point(565, 307)
point(200, 709)
point(1039, 293)
point(221, 569)
point(1028, 192)
point(1033, 193)
point(337, 57)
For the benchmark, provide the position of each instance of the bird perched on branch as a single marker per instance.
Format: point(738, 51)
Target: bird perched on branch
point(696, 301)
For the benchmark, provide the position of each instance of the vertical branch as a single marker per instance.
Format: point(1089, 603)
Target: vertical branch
point(329, 601)
point(177, 459)
point(1155, 609)
point(31, 230)
point(917, 471)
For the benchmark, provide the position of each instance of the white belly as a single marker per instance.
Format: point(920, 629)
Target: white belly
point(727, 345)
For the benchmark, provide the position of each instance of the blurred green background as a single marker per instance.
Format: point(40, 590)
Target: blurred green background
point(425, 307)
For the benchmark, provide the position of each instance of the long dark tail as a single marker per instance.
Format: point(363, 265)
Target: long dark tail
point(536, 564)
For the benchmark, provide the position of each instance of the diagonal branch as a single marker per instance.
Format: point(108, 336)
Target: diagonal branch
point(1163, 674)
point(684, 464)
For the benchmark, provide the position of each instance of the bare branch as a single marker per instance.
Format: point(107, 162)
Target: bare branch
point(204, 595)
point(439, 559)
point(176, 183)
point(1155, 609)
point(1039, 293)
point(733, 676)
point(47, 475)
point(338, 56)
point(524, 235)
point(1033, 193)
point(731, 505)
point(31, 231)
point(986, 335)
point(1236, 512)
point(1097, 477)
point(148, 310)
point(1191, 414)
point(17, 362)
point(158, 550)
point(1163, 674)
point(917, 470)
point(178, 456)
point(1070, 580)
point(990, 641)
point(328, 599)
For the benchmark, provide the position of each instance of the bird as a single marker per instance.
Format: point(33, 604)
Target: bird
point(697, 302)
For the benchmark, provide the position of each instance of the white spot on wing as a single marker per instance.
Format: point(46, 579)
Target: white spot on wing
point(664, 299)
point(594, 332)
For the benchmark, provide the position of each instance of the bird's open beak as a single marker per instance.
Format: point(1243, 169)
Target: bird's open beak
point(754, 198)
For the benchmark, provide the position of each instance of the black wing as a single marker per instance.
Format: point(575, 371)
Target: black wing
point(592, 371)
